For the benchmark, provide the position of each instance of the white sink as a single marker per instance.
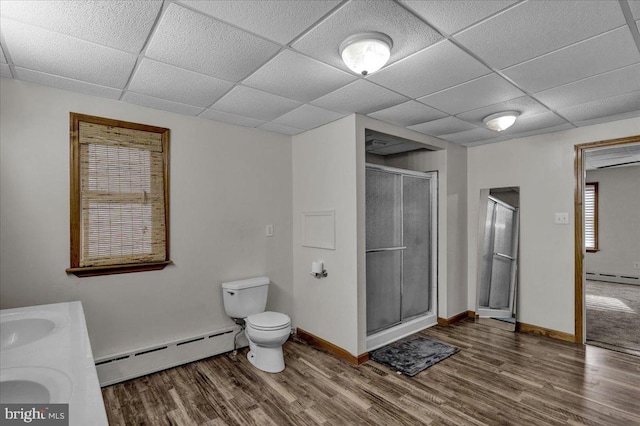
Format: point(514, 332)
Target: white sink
point(19, 329)
point(34, 385)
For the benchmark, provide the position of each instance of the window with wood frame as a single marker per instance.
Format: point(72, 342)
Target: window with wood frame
point(119, 196)
point(591, 216)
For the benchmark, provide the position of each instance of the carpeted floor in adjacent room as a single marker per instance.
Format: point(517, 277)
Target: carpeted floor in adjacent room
point(613, 316)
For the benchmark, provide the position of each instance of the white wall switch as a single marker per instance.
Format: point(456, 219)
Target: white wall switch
point(562, 218)
point(269, 232)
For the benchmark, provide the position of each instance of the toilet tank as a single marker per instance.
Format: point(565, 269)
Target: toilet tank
point(245, 297)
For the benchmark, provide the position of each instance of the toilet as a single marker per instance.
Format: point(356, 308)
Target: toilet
point(266, 331)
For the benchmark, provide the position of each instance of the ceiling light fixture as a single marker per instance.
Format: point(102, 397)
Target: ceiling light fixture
point(501, 120)
point(366, 53)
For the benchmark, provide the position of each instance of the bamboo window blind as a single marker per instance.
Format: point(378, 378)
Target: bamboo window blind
point(119, 206)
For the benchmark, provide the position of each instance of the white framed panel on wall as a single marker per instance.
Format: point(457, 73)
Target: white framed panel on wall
point(319, 229)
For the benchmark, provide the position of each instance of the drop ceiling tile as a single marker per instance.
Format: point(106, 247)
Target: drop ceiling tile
point(308, 117)
point(231, 118)
point(473, 135)
point(66, 83)
point(535, 122)
point(248, 102)
point(279, 128)
point(593, 88)
point(123, 25)
point(161, 104)
point(408, 114)
point(298, 77)
point(621, 104)
point(31, 47)
point(196, 42)
point(606, 52)
point(176, 84)
point(525, 105)
point(453, 16)
point(360, 96)
point(280, 21)
point(430, 70)
point(409, 34)
point(634, 5)
point(534, 28)
point(5, 71)
point(473, 94)
point(484, 142)
point(544, 130)
point(442, 126)
point(3, 59)
point(608, 118)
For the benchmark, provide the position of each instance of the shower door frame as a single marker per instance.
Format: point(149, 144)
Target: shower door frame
point(419, 322)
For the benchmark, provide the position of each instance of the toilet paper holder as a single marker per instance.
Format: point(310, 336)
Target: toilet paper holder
point(317, 270)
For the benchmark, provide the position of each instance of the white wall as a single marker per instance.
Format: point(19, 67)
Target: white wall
point(618, 221)
point(543, 167)
point(324, 178)
point(227, 183)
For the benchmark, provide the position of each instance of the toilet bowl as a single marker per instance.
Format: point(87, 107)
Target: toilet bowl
point(267, 332)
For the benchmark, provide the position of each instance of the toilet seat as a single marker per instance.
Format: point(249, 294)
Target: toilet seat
point(267, 321)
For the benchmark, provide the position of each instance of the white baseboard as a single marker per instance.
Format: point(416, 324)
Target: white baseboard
point(128, 365)
point(613, 278)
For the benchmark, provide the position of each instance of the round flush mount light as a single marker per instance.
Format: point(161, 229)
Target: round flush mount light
point(366, 53)
point(501, 120)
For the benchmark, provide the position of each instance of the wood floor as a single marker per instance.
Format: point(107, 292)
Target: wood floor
point(498, 377)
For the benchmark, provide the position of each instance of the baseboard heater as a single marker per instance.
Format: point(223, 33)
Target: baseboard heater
point(613, 278)
point(128, 365)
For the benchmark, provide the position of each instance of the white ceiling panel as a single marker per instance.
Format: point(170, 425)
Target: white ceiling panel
point(408, 114)
point(534, 28)
point(66, 83)
point(442, 126)
point(277, 20)
point(621, 104)
point(190, 40)
point(360, 96)
point(524, 105)
point(608, 118)
point(32, 47)
point(534, 122)
point(409, 34)
point(540, 131)
point(5, 71)
point(606, 52)
point(3, 59)
point(635, 8)
point(593, 88)
point(248, 102)
point(483, 91)
point(123, 25)
point(430, 70)
point(162, 104)
point(176, 84)
point(453, 16)
point(280, 128)
point(231, 118)
point(473, 135)
point(298, 77)
point(308, 117)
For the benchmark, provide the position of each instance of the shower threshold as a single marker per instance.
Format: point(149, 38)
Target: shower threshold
point(397, 332)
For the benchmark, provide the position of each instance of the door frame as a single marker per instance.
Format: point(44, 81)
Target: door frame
point(579, 174)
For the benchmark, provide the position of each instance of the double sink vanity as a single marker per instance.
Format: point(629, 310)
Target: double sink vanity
point(46, 358)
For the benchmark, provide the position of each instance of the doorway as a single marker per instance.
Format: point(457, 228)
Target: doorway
point(401, 249)
point(580, 273)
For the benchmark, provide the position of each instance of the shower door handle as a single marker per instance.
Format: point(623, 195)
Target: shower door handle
point(384, 249)
point(503, 255)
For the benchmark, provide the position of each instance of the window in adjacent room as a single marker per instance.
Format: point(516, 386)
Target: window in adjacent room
point(591, 217)
point(119, 196)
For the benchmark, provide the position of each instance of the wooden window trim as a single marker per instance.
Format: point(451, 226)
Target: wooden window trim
point(596, 247)
point(75, 197)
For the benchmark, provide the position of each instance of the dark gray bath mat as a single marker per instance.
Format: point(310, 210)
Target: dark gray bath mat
point(412, 356)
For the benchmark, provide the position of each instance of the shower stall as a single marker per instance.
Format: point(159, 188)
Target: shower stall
point(401, 253)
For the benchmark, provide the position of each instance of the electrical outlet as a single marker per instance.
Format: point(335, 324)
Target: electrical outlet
point(269, 231)
point(636, 265)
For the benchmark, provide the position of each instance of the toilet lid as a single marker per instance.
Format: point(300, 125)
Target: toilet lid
point(268, 320)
